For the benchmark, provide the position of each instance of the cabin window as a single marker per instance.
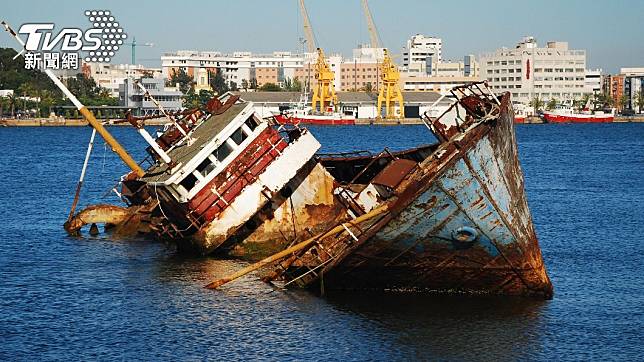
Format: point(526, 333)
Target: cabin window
point(189, 182)
point(223, 151)
point(238, 136)
point(206, 167)
point(251, 123)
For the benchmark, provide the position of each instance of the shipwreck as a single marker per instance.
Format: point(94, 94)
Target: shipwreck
point(451, 216)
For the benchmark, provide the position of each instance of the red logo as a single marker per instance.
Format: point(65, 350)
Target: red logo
point(527, 69)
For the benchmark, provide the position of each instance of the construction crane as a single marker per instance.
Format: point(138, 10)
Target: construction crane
point(390, 92)
point(134, 44)
point(324, 91)
point(308, 31)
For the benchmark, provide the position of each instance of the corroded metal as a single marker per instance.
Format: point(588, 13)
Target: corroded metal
point(472, 182)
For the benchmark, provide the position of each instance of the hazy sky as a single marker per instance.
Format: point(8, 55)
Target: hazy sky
point(612, 32)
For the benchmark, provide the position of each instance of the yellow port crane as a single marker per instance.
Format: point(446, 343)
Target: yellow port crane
point(390, 92)
point(324, 91)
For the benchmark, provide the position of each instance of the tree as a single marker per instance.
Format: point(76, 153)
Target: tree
point(270, 87)
point(253, 83)
point(218, 83)
point(183, 79)
point(537, 104)
point(639, 101)
point(244, 84)
point(623, 100)
point(233, 86)
point(552, 104)
point(191, 99)
point(368, 87)
point(204, 96)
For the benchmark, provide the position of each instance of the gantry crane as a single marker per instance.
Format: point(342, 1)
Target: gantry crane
point(324, 91)
point(390, 92)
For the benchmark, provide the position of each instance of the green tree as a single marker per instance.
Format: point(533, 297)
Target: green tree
point(233, 86)
point(218, 83)
point(622, 102)
point(368, 88)
point(191, 99)
point(182, 78)
point(552, 104)
point(537, 103)
point(204, 96)
point(253, 83)
point(244, 84)
point(270, 87)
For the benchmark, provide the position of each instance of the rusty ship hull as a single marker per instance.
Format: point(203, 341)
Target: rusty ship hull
point(459, 222)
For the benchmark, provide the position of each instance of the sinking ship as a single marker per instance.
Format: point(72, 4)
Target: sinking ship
point(451, 216)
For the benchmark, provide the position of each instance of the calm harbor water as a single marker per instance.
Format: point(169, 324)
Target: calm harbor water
point(100, 298)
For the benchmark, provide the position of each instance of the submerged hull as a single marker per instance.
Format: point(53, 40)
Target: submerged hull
point(480, 189)
point(460, 223)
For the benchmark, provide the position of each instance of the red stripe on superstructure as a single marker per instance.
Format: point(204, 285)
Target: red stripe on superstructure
point(242, 171)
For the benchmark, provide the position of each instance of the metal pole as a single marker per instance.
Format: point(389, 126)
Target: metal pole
point(82, 175)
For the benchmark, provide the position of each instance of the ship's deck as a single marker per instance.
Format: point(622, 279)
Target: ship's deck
point(201, 135)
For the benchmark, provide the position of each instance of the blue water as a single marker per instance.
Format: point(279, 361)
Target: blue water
point(100, 298)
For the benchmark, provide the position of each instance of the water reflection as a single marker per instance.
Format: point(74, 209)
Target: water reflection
point(452, 327)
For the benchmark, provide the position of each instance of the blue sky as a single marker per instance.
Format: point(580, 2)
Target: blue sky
point(612, 32)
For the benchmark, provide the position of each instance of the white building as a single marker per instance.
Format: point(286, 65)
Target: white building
point(237, 68)
point(593, 81)
point(633, 85)
point(111, 76)
point(528, 71)
point(420, 51)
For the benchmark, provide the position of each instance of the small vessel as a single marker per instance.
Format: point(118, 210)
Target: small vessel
point(568, 114)
point(302, 113)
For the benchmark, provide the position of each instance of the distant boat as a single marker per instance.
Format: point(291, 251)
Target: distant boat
point(567, 114)
point(303, 114)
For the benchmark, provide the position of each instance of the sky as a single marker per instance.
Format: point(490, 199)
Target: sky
point(612, 32)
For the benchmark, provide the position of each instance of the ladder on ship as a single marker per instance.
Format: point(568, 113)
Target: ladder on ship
point(307, 266)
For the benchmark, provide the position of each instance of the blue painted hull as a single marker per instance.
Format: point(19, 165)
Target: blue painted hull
point(460, 224)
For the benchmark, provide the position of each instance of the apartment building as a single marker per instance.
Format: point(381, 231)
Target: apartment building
point(111, 76)
point(528, 71)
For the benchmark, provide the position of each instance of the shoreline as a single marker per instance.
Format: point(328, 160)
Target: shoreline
point(46, 122)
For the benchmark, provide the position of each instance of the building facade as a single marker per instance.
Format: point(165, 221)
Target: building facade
point(111, 76)
point(131, 96)
point(633, 88)
point(238, 68)
point(593, 81)
point(528, 71)
point(420, 51)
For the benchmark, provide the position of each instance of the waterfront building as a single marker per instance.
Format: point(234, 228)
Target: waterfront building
point(131, 96)
point(421, 51)
point(238, 68)
point(633, 86)
point(593, 81)
point(111, 76)
point(613, 85)
point(528, 71)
